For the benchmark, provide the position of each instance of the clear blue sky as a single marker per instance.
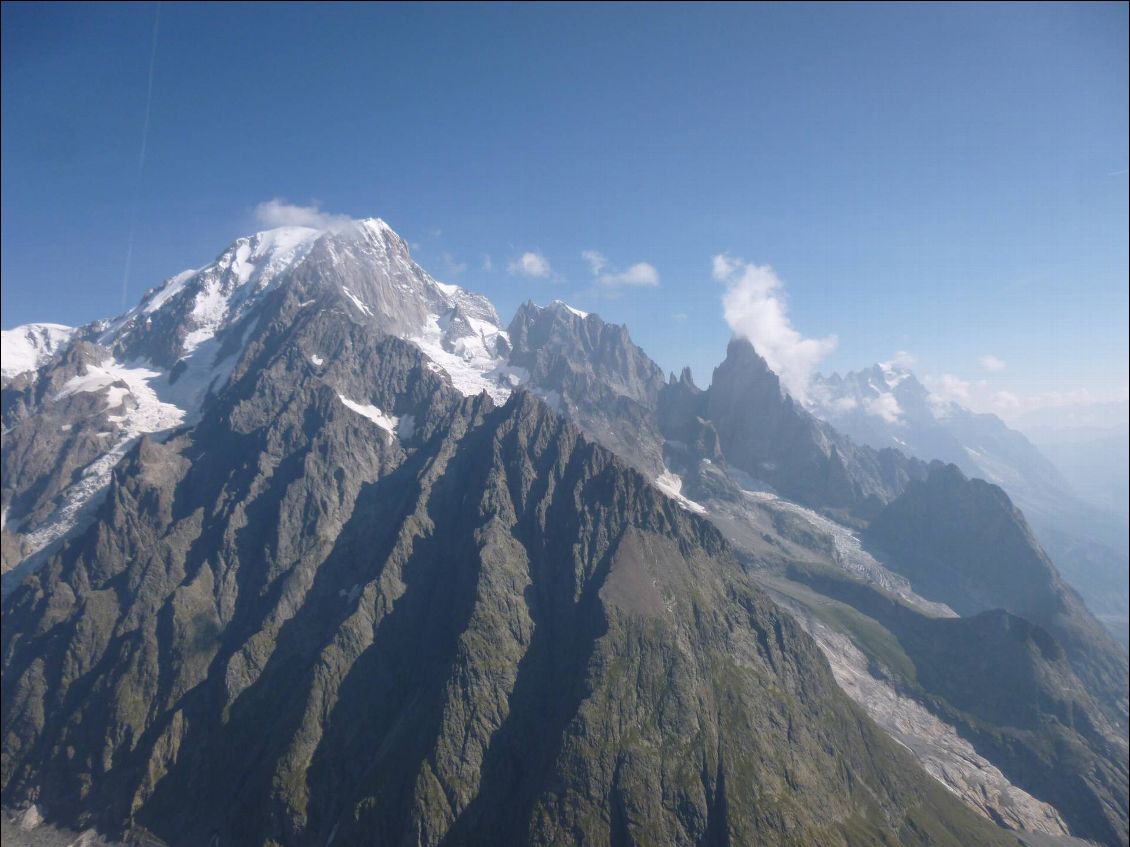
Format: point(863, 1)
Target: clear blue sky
point(948, 180)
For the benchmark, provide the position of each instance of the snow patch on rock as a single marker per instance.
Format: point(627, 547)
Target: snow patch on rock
point(388, 423)
point(672, 485)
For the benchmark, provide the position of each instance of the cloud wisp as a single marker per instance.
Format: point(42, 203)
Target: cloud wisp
point(277, 212)
point(982, 395)
point(885, 406)
point(902, 360)
point(755, 308)
point(532, 265)
point(639, 275)
point(991, 363)
point(596, 261)
point(452, 266)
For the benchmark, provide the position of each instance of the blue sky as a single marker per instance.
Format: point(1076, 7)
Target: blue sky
point(950, 181)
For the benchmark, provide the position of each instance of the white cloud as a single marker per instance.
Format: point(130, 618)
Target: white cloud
point(755, 308)
point(680, 317)
point(983, 396)
point(277, 212)
point(947, 389)
point(596, 260)
point(902, 360)
point(1007, 402)
point(723, 267)
point(884, 406)
point(532, 265)
point(488, 264)
point(639, 275)
point(991, 363)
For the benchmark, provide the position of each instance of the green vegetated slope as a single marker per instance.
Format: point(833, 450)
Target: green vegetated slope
point(289, 625)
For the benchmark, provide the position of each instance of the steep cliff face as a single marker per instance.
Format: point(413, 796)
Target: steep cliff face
point(351, 603)
point(592, 372)
point(962, 541)
point(767, 434)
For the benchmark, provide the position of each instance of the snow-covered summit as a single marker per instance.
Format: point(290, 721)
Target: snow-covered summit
point(887, 406)
point(24, 348)
point(364, 261)
point(363, 266)
point(571, 309)
point(154, 368)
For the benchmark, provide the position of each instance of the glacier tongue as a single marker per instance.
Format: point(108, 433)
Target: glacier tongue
point(939, 748)
point(850, 554)
point(142, 400)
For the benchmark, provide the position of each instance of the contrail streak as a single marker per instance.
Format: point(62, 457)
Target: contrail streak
point(149, 90)
point(141, 157)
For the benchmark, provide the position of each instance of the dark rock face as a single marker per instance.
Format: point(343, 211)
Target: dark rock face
point(596, 375)
point(290, 624)
point(768, 435)
point(963, 542)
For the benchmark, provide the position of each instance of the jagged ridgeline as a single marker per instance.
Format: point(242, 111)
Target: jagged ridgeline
point(296, 621)
point(308, 549)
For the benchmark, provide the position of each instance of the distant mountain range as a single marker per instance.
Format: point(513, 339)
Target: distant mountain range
point(307, 548)
point(887, 406)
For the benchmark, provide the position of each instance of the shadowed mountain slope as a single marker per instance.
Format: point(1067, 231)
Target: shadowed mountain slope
point(297, 621)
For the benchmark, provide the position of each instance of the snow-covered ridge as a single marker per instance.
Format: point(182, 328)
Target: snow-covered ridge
point(24, 348)
point(571, 309)
point(206, 301)
point(160, 360)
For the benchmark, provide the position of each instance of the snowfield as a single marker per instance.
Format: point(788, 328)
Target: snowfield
point(26, 347)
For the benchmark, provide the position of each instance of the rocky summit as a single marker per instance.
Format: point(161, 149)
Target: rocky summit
point(307, 549)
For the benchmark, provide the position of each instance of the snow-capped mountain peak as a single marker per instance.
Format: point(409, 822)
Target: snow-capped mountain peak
point(192, 307)
point(25, 348)
point(154, 368)
point(887, 406)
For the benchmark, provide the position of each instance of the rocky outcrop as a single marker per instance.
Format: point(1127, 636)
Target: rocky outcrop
point(592, 372)
point(765, 432)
